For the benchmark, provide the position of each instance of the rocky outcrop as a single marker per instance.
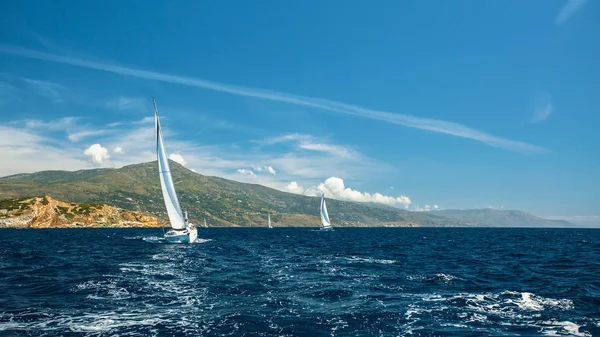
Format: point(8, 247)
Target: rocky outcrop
point(46, 212)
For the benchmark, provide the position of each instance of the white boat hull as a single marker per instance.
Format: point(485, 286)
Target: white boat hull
point(189, 235)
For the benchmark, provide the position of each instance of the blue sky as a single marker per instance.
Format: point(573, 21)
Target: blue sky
point(458, 104)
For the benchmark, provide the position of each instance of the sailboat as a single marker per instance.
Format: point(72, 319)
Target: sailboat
point(269, 219)
point(181, 230)
point(325, 222)
point(205, 225)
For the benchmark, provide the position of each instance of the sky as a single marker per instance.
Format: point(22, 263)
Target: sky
point(421, 105)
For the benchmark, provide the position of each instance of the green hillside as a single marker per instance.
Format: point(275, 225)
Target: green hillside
point(224, 202)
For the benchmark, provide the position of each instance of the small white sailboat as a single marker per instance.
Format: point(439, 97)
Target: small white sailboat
point(205, 225)
point(325, 222)
point(181, 230)
point(269, 219)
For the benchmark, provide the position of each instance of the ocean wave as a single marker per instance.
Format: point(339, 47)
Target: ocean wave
point(368, 260)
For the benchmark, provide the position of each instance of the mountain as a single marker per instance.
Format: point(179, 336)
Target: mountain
point(223, 202)
point(500, 218)
point(46, 212)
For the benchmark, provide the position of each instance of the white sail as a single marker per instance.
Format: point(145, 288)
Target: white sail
point(166, 181)
point(269, 218)
point(205, 225)
point(325, 223)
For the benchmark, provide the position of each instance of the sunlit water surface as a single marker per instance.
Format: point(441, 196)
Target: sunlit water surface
point(301, 282)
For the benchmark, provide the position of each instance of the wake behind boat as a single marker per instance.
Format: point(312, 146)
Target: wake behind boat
point(181, 230)
point(325, 222)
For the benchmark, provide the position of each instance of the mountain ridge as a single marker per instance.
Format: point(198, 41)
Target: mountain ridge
point(225, 202)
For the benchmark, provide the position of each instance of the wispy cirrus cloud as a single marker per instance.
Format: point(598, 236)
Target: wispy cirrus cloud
point(125, 103)
point(311, 143)
point(433, 125)
point(50, 90)
point(568, 10)
point(542, 107)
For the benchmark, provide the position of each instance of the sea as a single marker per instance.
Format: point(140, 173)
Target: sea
point(301, 282)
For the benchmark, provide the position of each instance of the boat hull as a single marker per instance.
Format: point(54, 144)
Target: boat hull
point(182, 236)
point(326, 229)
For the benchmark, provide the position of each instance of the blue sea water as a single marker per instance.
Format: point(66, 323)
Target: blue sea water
point(301, 282)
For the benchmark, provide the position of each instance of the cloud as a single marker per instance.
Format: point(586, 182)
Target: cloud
point(177, 158)
point(52, 91)
point(77, 136)
point(427, 208)
point(66, 124)
point(335, 188)
point(30, 152)
point(257, 169)
point(433, 125)
point(60, 124)
point(97, 153)
point(246, 172)
point(118, 150)
point(270, 169)
point(331, 149)
point(293, 187)
point(310, 143)
point(124, 103)
point(267, 168)
point(568, 10)
point(542, 107)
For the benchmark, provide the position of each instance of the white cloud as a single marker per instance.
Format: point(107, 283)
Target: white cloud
point(97, 153)
point(52, 91)
point(270, 169)
point(335, 188)
point(30, 152)
point(293, 187)
point(568, 10)
point(433, 125)
point(542, 107)
point(59, 124)
point(310, 143)
point(176, 157)
point(118, 150)
point(246, 172)
point(125, 103)
point(427, 208)
point(331, 149)
point(77, 136)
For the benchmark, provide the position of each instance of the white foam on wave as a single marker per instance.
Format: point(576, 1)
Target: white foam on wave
point(564, 328)
point(368, 260)
point(442, 277)
point(86, 323)
point(507, 308)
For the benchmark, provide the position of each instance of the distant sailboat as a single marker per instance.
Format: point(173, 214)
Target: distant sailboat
point(205, 225)
point(325, 222)
point(181, 230)
point(269, 219)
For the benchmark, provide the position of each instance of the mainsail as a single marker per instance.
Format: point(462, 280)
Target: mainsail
point(205, 225)
point(325, 223)
point(269, 218)
point(166, 181)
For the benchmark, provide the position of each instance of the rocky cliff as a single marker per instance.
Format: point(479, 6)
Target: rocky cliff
point(46, 212)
